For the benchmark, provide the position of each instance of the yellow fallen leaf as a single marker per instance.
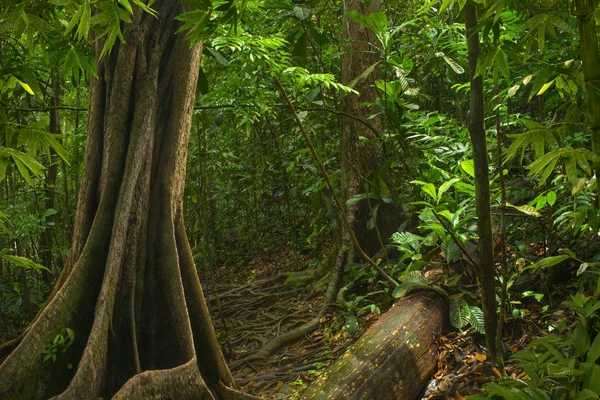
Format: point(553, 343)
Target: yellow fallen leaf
point(480, 357)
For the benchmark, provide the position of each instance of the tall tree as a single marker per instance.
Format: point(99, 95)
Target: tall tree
point(129, 291)
point(47, 238)
point(361, 151)
point(482, 181)
point(590, 58)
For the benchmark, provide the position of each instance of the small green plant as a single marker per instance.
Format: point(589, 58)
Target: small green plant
point(558, 367)
point(222, 337)
point(61, 342)
point(355, 308)
point(463, 311)
point(318, 369)
point(516, 301)
point(299, 383)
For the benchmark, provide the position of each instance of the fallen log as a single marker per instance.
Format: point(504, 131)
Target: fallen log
point(393, 359)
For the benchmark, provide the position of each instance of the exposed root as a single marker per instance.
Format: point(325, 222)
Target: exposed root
point(288, 337)
point(185, 380)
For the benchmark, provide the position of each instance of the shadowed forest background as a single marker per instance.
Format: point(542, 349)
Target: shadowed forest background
point(299, 199)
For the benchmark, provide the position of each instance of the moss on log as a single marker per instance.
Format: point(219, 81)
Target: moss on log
point(393, 359)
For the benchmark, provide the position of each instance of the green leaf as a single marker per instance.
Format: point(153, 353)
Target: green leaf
point(364, 75)
point(459, 313)
point(410, 281)
point(526, 209)
point(376, 21)
point(551, 197)
point(445, 186)
point(469, 167)
point(582, 268)
point(24, 262)
point(356, 199)
point(385, 192)
point(545, 87)
point(302, 13)
point(126, 5)
point(430, 190)
point(29, 78)
point(501, 63)
point(592, 377)
point(445, 5)
point(594, 352)
point(300, 49)
point(548, 262)
point(454, 65)
point(586, 394)
point(476, 319)
point(466, 188)
point(146, 7)
point(571, 168)
point(49, 212)
point(26, 87)
point(581, 340)
point(513, 90)
point(578, 186)
point(546, 163)
point(218, 56)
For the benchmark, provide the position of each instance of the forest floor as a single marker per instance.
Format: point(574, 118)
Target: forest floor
point(253, 311)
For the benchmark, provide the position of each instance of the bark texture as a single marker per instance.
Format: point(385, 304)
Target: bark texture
point(393, 359)
point(129, 290)
point(487, 266)
point(590, 58)
point(47, 238)
point(360, 159)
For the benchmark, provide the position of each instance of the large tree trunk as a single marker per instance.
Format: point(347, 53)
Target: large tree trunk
point(361, 158)
point(129, 291)
point(393, 360)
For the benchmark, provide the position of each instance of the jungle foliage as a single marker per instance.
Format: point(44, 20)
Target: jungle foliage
point(253, 184)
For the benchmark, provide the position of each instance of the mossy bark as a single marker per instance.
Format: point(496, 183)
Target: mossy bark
point(393, 359)
point(590, 58)
point(361, 151)
point(129, 291)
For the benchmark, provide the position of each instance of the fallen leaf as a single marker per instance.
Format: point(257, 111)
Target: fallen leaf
point(480, 357)
point(496, 372)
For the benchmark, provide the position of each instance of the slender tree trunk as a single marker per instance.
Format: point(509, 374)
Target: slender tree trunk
point(26, 298)
point(482, 185)
point(129, 289)
point(46, 240)
point(501, 208)
point(590, 58)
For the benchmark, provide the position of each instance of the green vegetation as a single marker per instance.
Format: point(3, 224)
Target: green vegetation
point(449, 145)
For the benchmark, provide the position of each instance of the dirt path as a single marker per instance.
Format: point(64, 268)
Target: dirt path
point(254, 310)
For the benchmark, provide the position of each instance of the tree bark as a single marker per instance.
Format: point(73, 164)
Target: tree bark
point(129, 289)
point(482, 182)
point(360, 159)
point(590, 58)
point(47, 238)
point(393, 359)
